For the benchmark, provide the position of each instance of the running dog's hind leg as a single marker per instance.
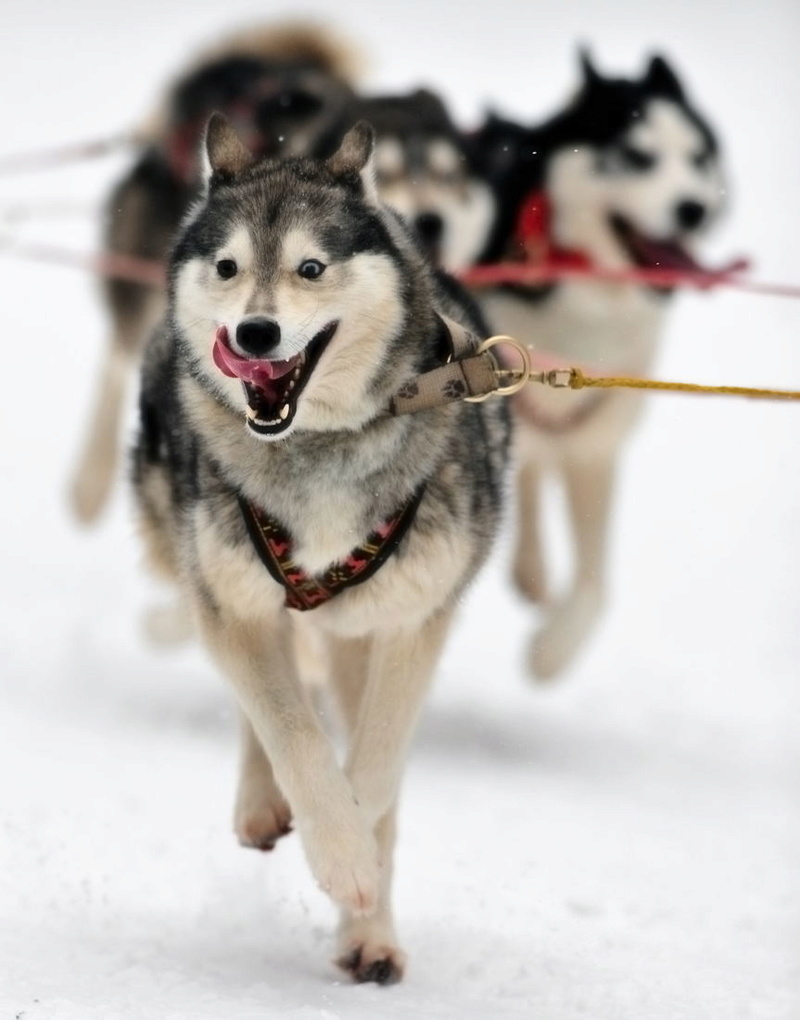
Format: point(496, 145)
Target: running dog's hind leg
point(92, 482)
point(261, 815)
point(589, 486)
point(338, 842)
point(529, 574)
point(380, 689)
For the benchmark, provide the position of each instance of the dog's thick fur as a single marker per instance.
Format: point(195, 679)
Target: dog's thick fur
point(287, 85)
point(631, 174)
point(335, 466)
point(425, 170)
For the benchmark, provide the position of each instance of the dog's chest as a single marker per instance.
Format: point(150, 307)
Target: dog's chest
point(615, 327)
point(607, 330)
point(409, 586)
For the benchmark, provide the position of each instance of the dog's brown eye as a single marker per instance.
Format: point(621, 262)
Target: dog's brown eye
point(226, 268)
point(311, 269)
point(702, 160)
point(636, 159)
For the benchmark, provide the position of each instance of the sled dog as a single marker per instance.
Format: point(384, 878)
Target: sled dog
point(628, 175)
point(272, 479)
point(284, 87)
point(426, 172)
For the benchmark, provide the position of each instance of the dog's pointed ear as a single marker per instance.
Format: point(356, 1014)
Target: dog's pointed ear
point(354, 160)
point(662, 80)
point(225, 154)
point(591, 76)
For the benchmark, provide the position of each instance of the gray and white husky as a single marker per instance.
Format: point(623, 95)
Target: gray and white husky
point(628, 175)
point(269, 473)
point(284, 86)
point(426, 172)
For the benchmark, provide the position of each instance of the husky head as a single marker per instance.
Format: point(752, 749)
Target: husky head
point(289, 287)
point(276, 106)
point(630, 169)
point(424, 172)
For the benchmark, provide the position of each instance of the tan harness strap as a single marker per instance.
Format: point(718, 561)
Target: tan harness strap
point(466, 373)
point(475, 376)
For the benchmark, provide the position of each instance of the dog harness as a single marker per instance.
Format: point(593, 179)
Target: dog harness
point(274, 545)
point(534, 236)
point(451, 381)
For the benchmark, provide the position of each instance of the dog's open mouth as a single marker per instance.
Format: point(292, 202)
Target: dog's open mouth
point(272, 388)
point(651, 253)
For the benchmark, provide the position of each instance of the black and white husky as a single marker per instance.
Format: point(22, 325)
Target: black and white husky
point(270, 475)
point(626, 176)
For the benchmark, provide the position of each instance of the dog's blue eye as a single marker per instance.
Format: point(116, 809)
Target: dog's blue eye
point(226, 268)
point(636, 159)
point(311, 269)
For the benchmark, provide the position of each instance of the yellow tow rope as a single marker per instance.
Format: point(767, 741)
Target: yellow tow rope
point(575, 379)
point(578, 381)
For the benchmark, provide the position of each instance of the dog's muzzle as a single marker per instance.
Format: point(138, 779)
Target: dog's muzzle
point(272, 388)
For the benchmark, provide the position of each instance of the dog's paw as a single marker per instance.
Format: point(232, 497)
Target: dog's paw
point(261, 829)
point(344, 861)
point(366, 947)
point(529, 583)
point(261, 816)
point(381, 964)
point(564, 633)
point(88, 495)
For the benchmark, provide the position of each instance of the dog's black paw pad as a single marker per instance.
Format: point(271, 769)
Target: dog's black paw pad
point(384, 971)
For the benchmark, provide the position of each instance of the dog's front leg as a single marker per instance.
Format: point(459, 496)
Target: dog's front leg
point(261, 815)
point(367, 947)
point(529, 569)
point(380, 685)
point(400, 668)
point(589, 485)
point(337, 839)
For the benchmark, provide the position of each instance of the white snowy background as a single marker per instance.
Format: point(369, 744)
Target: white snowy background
point(623, 844)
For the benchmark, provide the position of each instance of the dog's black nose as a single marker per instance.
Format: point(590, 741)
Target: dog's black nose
point(258, 336)
point(690, 214)
point(430, 227)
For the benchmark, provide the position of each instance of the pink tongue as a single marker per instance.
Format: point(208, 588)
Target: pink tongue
point(663, 254)
point(252, 370)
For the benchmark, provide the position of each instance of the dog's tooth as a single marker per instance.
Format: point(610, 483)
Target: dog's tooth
point(291, 385)
point(284, 412)
point(251, 414)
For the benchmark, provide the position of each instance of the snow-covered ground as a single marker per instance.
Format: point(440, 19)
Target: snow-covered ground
point(621, 845)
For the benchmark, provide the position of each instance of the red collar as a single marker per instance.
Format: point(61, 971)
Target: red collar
point(274, 545)
point(533, 236)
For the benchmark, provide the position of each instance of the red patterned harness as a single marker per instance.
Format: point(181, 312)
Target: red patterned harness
point(274, 545)
point(534, 236)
